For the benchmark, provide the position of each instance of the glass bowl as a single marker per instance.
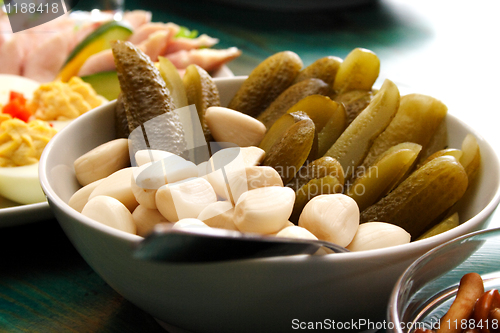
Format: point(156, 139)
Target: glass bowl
point(425, 291)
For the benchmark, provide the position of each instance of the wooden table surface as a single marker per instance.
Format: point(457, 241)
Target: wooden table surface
point(447, 48)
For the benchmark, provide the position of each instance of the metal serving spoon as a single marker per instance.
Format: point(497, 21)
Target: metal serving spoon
point(198, 245)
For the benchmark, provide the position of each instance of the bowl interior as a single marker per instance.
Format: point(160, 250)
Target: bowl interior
point(97, 127)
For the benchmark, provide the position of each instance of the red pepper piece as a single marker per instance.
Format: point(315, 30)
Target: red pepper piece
point(17, 107)
point(17, 96)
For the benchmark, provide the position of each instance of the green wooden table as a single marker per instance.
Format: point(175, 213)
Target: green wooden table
point(448, 47)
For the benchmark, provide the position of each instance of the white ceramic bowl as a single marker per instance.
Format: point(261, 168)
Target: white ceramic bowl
point(267, 295)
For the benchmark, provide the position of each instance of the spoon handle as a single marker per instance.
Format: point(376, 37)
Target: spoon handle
point(205, 245)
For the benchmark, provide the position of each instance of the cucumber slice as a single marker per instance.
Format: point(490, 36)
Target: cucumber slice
point(97, 41)
point(105, 84)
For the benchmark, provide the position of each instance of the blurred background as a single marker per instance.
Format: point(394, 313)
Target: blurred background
point(443, 48)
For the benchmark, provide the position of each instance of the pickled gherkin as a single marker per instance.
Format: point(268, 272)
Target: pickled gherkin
point(121, 123)
point(266, 82)
point(352, 146)
point(146, 97)
point(280, 127)
point(384, 174)
point(291, 96)
point(329, 118)
point(173, 81)
point(358, 71)
point(471, 157)
point(417, 120)
point(422, 197)
point(325, 69)
point(292, 148)
point(443, 152)
point(447, 224)
point(354, 102)
point(322, 167)
point(202, 92)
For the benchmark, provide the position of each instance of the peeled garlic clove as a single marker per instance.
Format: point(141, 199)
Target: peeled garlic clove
point(80, 198)
point(102, 161)
point(149, 176)
point(376, 235)
point(219, 214)
point(111, 212)
point(251, 178)
point(293, 231)
point(235, 157)
point(150, 181)
point(287, 224)
point(296, 232)
point(151, 155)
point(202, 169)
point(168, 170)
point(228, 125)
point(185, 199)
point(331, 217)
point(145, 219)
point(119, 186)
point(264, 210)
point(230, 161)
point(144, 197)
point(188, 223)
point(252, 155)
point(176, 170)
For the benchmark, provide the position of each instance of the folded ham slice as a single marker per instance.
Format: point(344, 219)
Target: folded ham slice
point(143, 32)
point(137, 18)
point(11, 57)
point(208, 59)
point(41, 64)
point(183, 43)
point(155, 45)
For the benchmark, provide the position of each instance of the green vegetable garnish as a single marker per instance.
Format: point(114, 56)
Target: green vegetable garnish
point(184, 32)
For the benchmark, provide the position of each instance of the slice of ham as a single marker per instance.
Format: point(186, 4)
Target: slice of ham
point(155, 45)
point(5, 29)
point(42, 64)
point(11, 57)
point(100, 62)
point(143, 32)
point(208, 59)
point(35, 47)
point(137, 18)
point(39, 34)
point(183, 43)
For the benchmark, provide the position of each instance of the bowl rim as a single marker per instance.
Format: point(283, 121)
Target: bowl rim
point(422, 245)
point(392, 312)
